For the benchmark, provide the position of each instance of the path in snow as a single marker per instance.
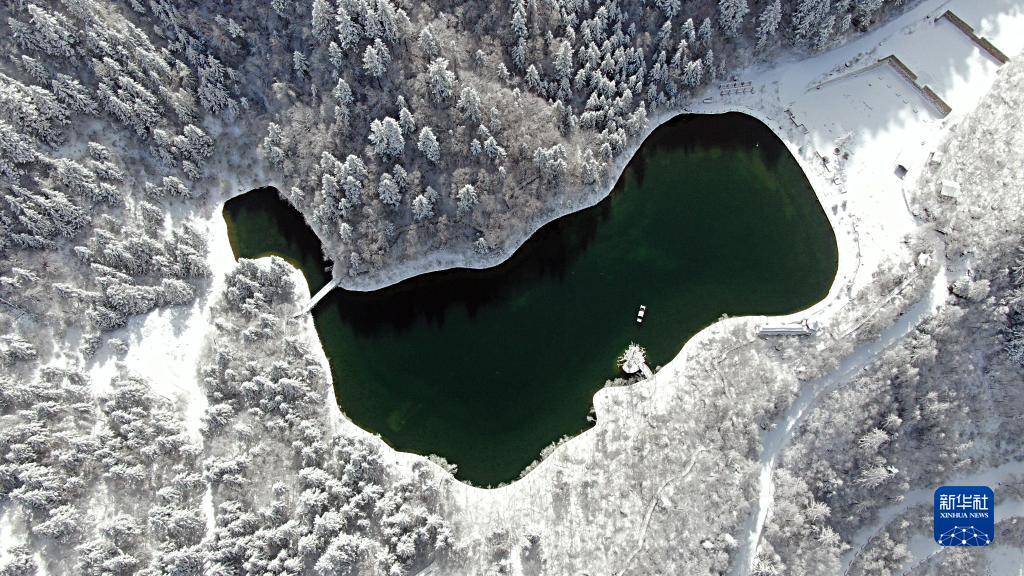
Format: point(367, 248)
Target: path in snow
point(776, 440)
point(650, 510)
point(991, 477)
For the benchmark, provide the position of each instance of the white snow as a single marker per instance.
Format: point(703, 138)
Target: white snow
point(165, 344)
point(991, 477)
point(9, 539)
point(875, 117)
point(776, 440)
point(950, 189)
point(879, 120)
point(1005, 559)
point(946, 59)
point(7, 536)
point(1000, 21)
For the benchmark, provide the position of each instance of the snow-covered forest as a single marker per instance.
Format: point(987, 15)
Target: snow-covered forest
point(398, 130)
point(943, 404)
point(408, 134)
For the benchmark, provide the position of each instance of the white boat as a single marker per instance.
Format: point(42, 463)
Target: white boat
point(640, 314)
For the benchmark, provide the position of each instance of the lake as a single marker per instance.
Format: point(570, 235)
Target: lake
point(712, 216)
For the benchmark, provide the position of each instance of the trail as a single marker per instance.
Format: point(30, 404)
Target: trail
point(992, 477)
point(652, 506)
point(776, 440)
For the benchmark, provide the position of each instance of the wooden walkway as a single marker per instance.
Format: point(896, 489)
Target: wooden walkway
point(318, 296)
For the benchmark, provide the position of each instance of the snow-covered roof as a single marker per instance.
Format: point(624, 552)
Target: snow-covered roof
point(950, 189)
point(786, 329)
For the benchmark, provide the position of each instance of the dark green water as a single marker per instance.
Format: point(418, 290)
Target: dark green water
point(487, 367)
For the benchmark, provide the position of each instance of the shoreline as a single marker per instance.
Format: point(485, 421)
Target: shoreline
point(846, 234)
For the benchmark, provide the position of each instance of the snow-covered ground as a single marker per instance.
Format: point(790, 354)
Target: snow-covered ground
point(165, 344)
point(9, 539)
point(844, 99)
point(876, 119)
point(998, 20)
point(776, 440)
point(992, 477)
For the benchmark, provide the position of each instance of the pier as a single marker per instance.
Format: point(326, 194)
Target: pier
point(318, 296)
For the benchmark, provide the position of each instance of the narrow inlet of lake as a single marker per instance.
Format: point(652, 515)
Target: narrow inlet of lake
point(712, 216)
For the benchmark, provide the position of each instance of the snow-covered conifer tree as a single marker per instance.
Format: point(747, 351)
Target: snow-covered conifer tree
point(342, 101)
point(428, 44)
point(428, 145)
point(669, 8)
point(807, 17)
point(422, 207)
point(322, 19)
point(374, 62)
point(466, 198)
point(469, 105)
point(704, 35)
point(386, 137)
point(768, 24)
point(388, 191)
point(440, 80)
point(731, 14)
point(348, 32)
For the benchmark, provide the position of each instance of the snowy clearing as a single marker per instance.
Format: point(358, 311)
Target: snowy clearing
point(165, 344)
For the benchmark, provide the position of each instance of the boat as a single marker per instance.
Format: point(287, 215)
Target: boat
point(640, 314)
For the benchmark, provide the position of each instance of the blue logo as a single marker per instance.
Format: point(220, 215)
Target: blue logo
point(964, 515)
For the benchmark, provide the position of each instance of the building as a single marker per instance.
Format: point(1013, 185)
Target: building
point(949, 189)
point(802, 328)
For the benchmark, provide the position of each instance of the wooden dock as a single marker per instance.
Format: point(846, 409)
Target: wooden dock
point(318, 297)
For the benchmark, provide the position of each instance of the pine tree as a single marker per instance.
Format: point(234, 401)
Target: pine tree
point(669, 8)
point(374, 62)
point(693, 75)
point(428, 145)
point(422, 208)
point(406, 120)
point(563, 60)
point(386, 137)
point(533, 81)
point(664, 37)
point(807, 19)
point(387, 17)
point(824, 35)
point(768, 24)
point(342, 101)
point(387, 190)
point(322, 19)
point(689, 32)
point(428, 44)
point(469, 105)
point(704, 35)
point(865, 9)
point(299, 64)
point(348, 31)
point(731, 14)
point(440, 80)
point(466, 198)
